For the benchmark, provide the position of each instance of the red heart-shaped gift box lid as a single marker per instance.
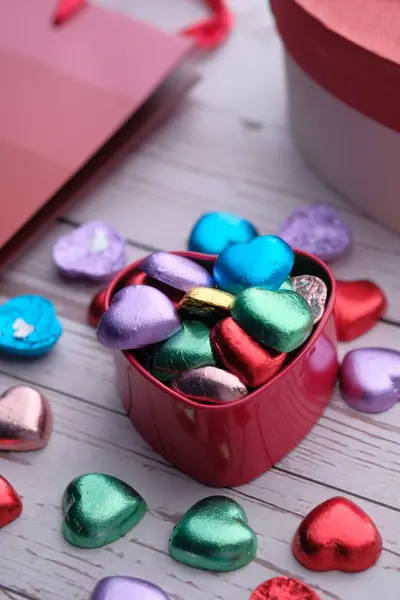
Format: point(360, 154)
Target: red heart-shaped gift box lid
point(349, 47)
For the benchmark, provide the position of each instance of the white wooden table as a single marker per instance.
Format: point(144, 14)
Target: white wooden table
point(229, 148)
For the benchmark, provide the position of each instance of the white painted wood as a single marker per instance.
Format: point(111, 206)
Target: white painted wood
point(228, 148)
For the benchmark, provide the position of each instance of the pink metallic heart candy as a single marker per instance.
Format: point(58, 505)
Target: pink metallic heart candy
point(127, 588)
point(210, 384)
point(25, 419)
point(95, 250)
point(370, 379)
point(317, 229)
point(139, 315)
point(177, 271)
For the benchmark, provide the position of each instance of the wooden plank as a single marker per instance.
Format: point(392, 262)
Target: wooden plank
point(38, 562)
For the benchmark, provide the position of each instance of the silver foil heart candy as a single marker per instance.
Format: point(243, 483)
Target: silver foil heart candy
point(210, 384)
point(314, 292)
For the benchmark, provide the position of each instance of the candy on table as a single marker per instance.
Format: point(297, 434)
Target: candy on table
point(28, 326)
point(98, 509)
point(265, 262)
point(96, 308)
point(283, 588)
point(127, 588)
point(358, 307)
point(139, 315)
point(215, 231)
point(214, 535)
point(337, 535)
point(10, 503)
point(188, 349)
point(176, 271)
point(94, 251)
point(242, 355)
point(280, 320)
point(210, 384)
point(25, 419)
point(317, 229)
point(370, 379)
point(314, 291)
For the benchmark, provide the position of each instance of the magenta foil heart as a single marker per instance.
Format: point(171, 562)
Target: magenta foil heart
point(126, 588)
point(139, 315)
point(317, 229)
point(94, 250)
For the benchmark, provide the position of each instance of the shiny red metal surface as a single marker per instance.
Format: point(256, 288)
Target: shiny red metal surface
point(232, 444)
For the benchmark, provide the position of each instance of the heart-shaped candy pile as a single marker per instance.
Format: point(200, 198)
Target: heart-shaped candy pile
point(10, 503)
point(127, 588)
point(209, 344)
point(98, 509)
point(283, 588)
point(25, 419)
point(28, 326)
point(370, 379)
point(215, 231)
point(337, 535)
point(94, 250)
point(214, 535)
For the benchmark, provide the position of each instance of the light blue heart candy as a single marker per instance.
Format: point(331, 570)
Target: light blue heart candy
point(28, 326)
point(215, 231)
point(265, 262)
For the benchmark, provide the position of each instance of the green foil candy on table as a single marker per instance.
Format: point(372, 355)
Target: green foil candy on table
point(214, 535)
point(280, 320)
point(98, 509)
point(188, 349)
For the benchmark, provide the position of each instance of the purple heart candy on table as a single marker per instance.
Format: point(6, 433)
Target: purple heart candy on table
point(370, 379)
point(177, 271)
point(139, 315)
point(94, 250)
point(127, 588)
point(317, 229)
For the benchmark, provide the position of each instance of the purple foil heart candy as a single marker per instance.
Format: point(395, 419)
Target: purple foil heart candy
point(177, 271)
point(139, 315)
point(317, 229)
point(370, 379)
point(95, 250)
point(127, 588)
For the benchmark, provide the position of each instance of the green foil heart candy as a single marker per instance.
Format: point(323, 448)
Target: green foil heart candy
point(214, 535)
point(98, 509)
point(280, 320)
point(188, 349)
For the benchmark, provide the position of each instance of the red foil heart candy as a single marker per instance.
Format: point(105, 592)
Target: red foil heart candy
point(243, 356)
point(359, 306)
point(10, 503)
point(283, 588)
point(337, 535)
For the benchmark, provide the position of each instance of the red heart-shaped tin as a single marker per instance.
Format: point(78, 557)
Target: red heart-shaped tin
point(233, 443)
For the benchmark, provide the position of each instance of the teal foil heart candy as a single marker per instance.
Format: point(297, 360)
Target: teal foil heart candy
point(214, 535)
point(188, 349)
point(280, 320)
point(215, 231)
point(265, 262)
point(98, 509)
point(28, 326)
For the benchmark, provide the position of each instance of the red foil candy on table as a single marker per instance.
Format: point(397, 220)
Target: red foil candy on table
point(10, 503)
point(359, 306)
point(243, 356)
point(283, 588)
point(337, 535)
point(97, 308)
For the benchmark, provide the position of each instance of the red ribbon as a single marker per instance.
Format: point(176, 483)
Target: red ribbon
point(208, 33)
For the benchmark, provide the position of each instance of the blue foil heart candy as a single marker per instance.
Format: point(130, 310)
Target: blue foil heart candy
point(28, 326)
point(215, 231)
point(265, 262)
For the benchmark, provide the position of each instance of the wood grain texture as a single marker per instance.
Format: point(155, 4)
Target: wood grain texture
point(229, 148)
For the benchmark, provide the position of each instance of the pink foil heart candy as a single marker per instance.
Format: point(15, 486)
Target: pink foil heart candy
point(177, 271)
point(94, 250)
point(370, 379)
point(127, 588)
point(139, 315)
point(317, 229)
point(210, 384)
